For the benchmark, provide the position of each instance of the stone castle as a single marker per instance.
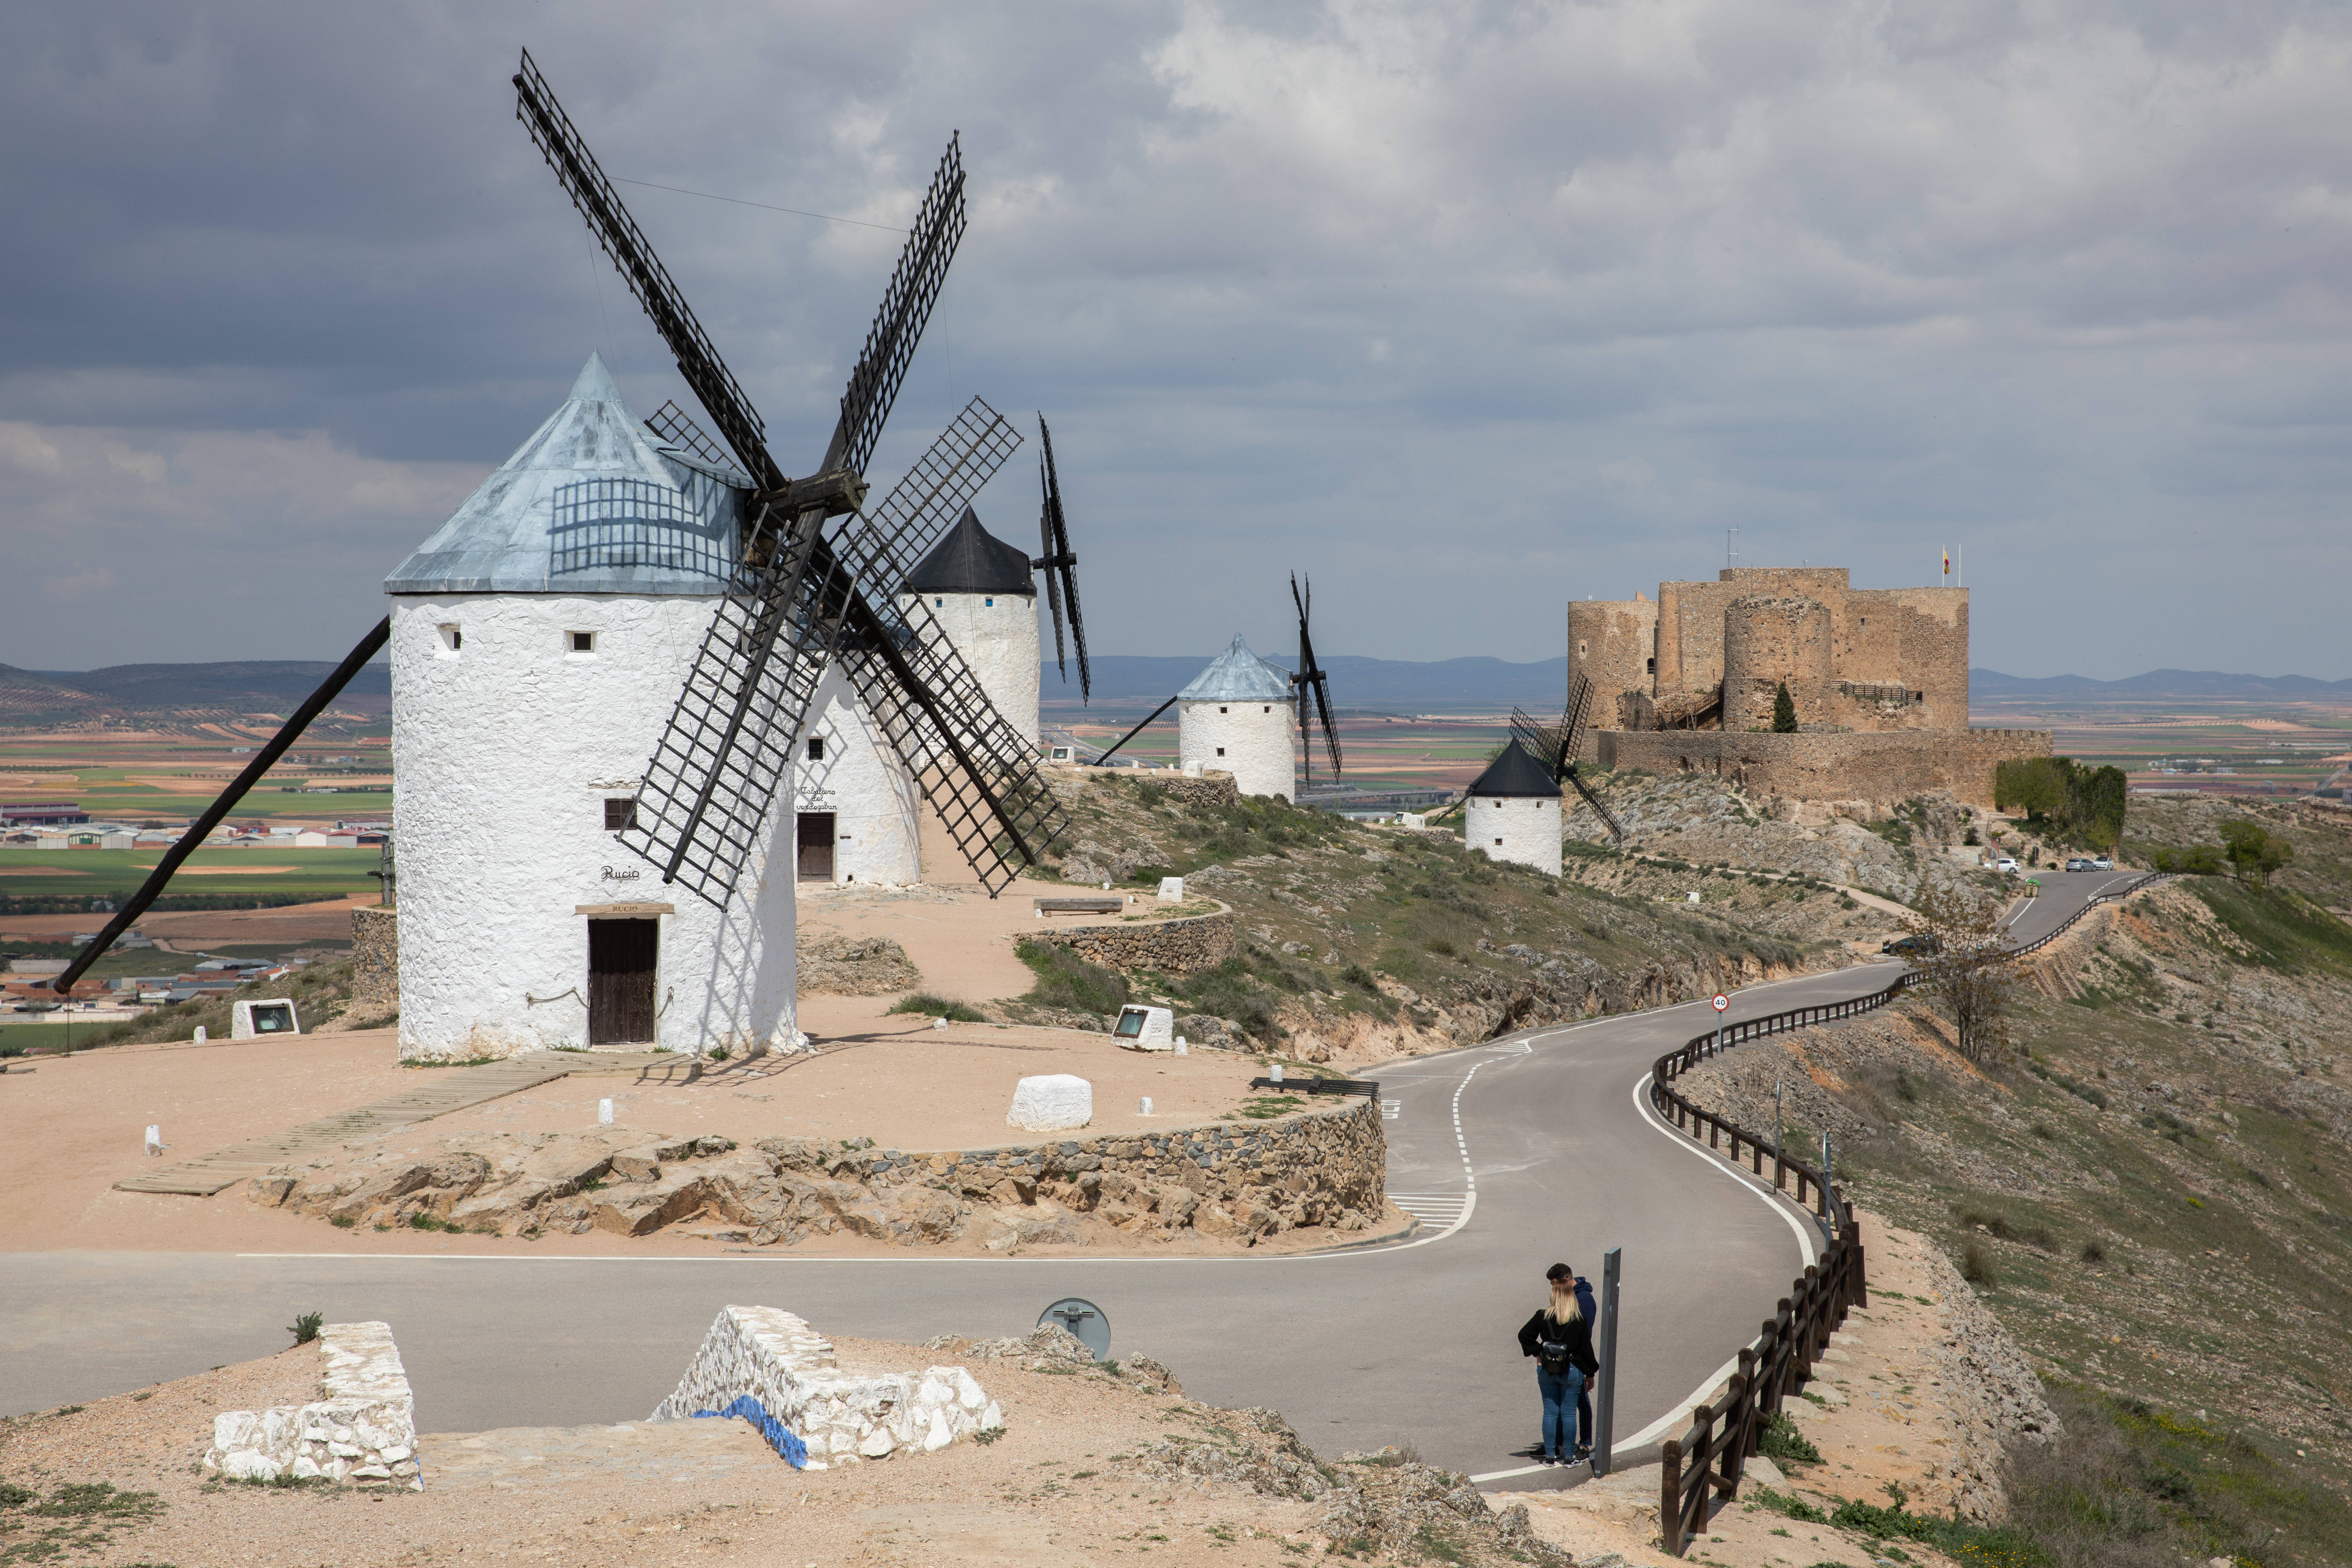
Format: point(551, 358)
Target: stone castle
point(1879, 677)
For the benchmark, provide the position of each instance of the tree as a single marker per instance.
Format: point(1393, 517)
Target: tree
point(1784, 711)
point(2253, 851)
point(1965, 975)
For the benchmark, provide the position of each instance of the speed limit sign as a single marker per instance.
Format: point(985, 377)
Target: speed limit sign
point(1721, 1001)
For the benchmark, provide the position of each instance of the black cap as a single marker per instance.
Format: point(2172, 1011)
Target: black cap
point(1560, 1271)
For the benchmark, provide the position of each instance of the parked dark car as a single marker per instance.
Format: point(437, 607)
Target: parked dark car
point(1920, 944)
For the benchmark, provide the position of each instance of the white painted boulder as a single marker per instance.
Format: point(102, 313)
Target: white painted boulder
point(1051, 1102)
point(844, 1416)
point(1171, 889)
point(1146, 1028)
point(360, 1429)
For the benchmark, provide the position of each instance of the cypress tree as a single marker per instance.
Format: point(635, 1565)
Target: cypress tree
point(1784, 711)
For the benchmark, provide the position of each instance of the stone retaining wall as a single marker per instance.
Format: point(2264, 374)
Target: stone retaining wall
point(1325, 1165)
point(844, 1416)
point(1211, 788)
point(1884, 766)
point(361, 1429)
point(1177, 946)
point(375, 958)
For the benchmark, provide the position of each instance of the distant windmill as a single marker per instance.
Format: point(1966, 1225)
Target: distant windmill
point(1236, 715)
point(1555, 746)
point(1057, 562)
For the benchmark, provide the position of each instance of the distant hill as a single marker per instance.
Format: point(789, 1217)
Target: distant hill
point(254, 686)
point(1477, 684)
point(2155, 683)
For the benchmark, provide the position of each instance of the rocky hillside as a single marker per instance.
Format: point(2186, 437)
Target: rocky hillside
point(2153, 1194)
point(1363, 941)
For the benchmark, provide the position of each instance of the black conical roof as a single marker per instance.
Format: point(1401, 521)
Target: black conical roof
point(1517, 774)
point(970, 560)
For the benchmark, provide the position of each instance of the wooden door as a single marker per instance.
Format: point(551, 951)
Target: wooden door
point(620, 956)
point(816, 832)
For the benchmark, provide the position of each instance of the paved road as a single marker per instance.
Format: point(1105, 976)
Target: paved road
point(1407, 1342)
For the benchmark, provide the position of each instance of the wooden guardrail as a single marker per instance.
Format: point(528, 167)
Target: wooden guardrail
point(1705, 1461)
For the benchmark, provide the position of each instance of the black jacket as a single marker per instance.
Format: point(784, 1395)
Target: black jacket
point(1578, 1336)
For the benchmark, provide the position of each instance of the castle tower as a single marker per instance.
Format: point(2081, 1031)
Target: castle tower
point(1614, 644)
point(1769, 638)
point(1512, 812)
point(539, 639)
point(1236, 716)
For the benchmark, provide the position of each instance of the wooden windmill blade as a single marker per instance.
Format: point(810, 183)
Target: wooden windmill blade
point(1311, 676)
point(1060, 567)
point(1044, 563)
point(1616, 829)
point(724, 756)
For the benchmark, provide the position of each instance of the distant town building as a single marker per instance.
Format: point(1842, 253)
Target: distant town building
point(41, 813)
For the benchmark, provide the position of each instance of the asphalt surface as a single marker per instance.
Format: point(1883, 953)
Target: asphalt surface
point(1411, 1342)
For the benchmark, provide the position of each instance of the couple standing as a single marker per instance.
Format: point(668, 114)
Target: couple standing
point(1559, 1338)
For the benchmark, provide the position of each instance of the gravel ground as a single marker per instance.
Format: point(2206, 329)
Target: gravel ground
point(1057, 1487)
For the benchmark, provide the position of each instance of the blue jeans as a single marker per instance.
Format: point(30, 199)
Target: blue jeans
point(1563, 1408)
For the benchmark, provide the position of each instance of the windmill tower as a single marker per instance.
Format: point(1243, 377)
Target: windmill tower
point(537, 640)
point(1556, 746)
point(1235, 716)
point(1512, 812)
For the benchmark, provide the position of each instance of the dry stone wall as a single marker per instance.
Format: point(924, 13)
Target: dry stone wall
point(1319, 1165)
point(1832, 765)
point(361, 1429)
point(1177, 946)
point(845, 1417)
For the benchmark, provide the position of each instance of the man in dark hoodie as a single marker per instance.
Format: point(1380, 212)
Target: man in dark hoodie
point(1559, 1338)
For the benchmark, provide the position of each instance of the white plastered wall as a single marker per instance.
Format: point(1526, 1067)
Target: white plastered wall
point(997, 636)
point(1527, 826)
point(1252, 740)
point(504, 752)
point(876, 836)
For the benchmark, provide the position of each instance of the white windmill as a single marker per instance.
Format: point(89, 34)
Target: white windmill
point(1512, 812)
point(539, 640)
point(1236, 718)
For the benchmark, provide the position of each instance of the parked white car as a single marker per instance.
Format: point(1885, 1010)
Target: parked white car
point(2102, 863)
point(2005, 864)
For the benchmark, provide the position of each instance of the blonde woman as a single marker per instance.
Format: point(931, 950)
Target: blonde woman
point(1559, 1338)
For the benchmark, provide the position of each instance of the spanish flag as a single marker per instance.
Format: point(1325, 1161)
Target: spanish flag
point(1947, 563)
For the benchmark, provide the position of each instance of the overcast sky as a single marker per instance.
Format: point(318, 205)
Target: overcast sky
point(1466, 309)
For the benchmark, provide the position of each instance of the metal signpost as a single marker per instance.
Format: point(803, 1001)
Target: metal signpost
point(1720, 1003)
point(1604, 1408)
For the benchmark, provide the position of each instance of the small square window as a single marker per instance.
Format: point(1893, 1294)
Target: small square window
point(1224, 709)
point(582, 642)
point(1220, 751)
point(620, 813)
point(1267, 709)
point(452, 639)
point(938, 603)
point(988, 604)
point(1499, 844)
point(816, 748)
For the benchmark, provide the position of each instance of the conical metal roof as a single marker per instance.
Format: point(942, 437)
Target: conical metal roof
point(588, 505)
point(1516, 774)
point(970, 560)
point(1237, 675)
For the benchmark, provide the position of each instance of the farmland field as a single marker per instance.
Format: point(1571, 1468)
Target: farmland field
point(116, 873)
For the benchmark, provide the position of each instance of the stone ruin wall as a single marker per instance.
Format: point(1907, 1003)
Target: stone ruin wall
point(1769, 640)
point(1830, 765)
point(1175, 946)
point(1610, 642)
point(375, 958)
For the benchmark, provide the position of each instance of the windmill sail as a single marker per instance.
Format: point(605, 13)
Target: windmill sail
point(724, 757)
point(1311, 677)
point(1556, 746)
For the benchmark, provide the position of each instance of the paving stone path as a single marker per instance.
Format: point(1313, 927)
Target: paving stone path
point(450, 1089)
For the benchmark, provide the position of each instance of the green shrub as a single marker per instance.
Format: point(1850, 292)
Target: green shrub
point(1976, 1265)
point(305, 1327)
point(944, 1007)
point(1065, 980)
point(1780, 1441)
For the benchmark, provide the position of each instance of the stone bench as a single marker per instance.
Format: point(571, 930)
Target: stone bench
point(1102, 904)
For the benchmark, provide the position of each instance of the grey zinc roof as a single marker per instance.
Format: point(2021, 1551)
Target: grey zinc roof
point(1238, 675)
point(1516, 775)
point(668, 525)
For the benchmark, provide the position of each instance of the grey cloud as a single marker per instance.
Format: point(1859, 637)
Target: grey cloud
point(1467, 309)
